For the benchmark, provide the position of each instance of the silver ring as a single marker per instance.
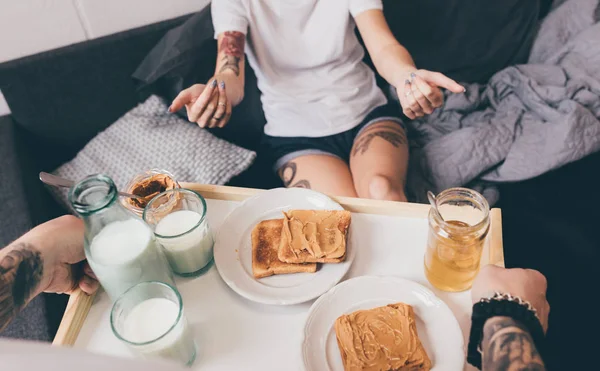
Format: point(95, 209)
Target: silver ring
point(408, 93)
point(221, 104)
point(217, 118)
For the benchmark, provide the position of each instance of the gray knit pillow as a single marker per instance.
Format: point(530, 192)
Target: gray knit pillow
point(148, 137)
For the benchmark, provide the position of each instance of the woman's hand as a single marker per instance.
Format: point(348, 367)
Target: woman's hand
point(207, 105)
point(421, 93)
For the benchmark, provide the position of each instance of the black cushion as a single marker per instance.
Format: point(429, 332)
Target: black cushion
point(64, 97)
point(469, 40)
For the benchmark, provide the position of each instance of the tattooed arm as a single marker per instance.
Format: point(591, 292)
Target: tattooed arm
point(21, 270)
point(44, 259)
point(210, 105)
point(418, 90)
point(230, 64)
point(507, 345)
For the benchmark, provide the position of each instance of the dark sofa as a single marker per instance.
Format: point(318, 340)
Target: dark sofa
point(62, 98)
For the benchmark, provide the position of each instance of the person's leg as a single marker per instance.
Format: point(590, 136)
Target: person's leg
point(379, 161)
point(320, 172)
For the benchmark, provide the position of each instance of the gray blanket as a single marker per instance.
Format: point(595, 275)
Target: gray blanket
point(528, 119)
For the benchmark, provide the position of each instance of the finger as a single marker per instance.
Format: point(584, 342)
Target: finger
point(200, 105)
point(420, 97)
point(414, 105)
point(219, 114)
point(404, 103)
point(227, 116)
point(184, 97)
point(441, 80)
point(207, 118)
point(433, 94)
point(87, 270)
point(88, 285)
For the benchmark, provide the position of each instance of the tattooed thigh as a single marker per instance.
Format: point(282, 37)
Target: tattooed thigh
point(393, 134)
point(288, 172)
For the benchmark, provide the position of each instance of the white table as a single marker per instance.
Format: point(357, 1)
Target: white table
point(233, 333)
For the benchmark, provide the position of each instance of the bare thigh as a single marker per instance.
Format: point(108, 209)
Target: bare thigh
point(323, 173)
point(379, 161)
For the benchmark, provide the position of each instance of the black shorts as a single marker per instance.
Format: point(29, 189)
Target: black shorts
point(286, 149)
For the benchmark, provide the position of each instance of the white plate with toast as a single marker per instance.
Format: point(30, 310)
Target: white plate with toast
point(254, 220)
point(436, 326)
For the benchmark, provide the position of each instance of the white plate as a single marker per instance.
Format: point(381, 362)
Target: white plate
point(233, 249)
point(437, 327)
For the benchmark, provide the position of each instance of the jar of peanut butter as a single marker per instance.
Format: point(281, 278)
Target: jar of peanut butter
point(148, 185)
point(455, 239)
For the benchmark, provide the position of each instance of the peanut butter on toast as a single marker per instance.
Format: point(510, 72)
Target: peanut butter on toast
point(266, 237)
point(314, 236)
point(383, 338)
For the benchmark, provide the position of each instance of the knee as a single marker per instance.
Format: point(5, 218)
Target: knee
point(382, 188)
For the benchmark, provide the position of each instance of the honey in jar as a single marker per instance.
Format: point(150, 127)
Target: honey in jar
point(455, 240)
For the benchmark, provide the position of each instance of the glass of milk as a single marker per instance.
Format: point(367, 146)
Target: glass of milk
point(120, 248)
point(178, 218)
point(149, 318)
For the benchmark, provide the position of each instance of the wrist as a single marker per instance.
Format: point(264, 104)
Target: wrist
point(41, 255)
point(30, 270)
point(234, 87)
point(500, 308)
point(402, 74)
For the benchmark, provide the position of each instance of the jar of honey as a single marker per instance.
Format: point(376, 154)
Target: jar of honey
point(456, 237)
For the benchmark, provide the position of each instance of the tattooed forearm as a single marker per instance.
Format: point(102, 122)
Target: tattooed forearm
point(287, 173)
point(507, 345)
point(232, 50)
point(396, 137)
point(21, 270)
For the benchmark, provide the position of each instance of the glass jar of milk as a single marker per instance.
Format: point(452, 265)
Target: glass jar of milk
point(178, 218)
point(119, 247)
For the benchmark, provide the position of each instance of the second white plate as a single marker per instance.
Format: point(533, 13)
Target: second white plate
point(233, 249)
point(437, 327)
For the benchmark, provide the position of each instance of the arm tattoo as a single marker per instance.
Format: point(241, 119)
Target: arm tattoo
point(287, 173)
point(232, 47)
point(395, 137)
point(507, 345)
point(21, 271)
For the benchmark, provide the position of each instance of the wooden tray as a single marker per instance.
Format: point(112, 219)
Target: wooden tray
point(80, 303)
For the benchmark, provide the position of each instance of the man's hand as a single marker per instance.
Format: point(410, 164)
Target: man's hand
point(49, 258)
point(207, 105)
point(60, 244)
point(420, 94)
point(528, 284)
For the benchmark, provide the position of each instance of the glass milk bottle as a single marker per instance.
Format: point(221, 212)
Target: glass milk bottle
point(119, 247)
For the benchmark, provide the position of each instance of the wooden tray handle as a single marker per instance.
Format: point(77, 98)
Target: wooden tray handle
point(77, 310)
point(496, 244)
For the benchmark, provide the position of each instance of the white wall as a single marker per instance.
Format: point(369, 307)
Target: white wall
point(32, 26)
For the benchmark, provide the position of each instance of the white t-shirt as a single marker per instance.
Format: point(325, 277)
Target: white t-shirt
point(308, 62)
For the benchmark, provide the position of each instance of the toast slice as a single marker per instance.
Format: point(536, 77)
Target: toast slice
point(266, 237)
point(314, 236)
point(383, 338)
